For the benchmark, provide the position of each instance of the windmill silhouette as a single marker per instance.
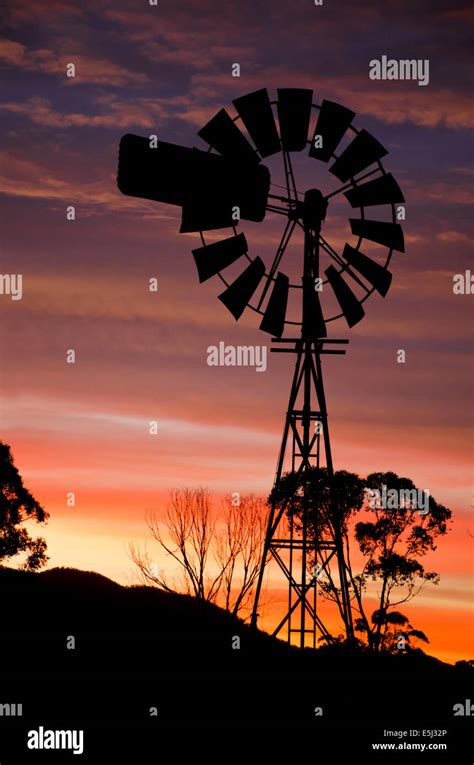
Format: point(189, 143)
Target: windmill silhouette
point(229, 183)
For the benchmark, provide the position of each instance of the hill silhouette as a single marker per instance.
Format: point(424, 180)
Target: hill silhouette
point(137, 646)
point(104, 616)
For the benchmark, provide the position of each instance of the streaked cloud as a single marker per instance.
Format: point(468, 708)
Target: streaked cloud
point(89, 69)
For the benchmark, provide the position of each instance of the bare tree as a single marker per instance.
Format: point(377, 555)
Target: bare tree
point(185, 532)
point(218, 557)
point(239, 549)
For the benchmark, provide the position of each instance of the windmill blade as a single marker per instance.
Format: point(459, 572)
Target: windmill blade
point(350, 305)
point(294, 112)
point(207, 186)
point(333, 121)
point(273, 321)
point(373, 272)
point(216, 256)
point(388, 234)
point(238, 294)
point(381, 191)
point(313, 319)
point(256, 112)
point(222, 134)
point(362, 152)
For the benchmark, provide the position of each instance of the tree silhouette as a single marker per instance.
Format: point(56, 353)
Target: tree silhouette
point(219, 555)
point(398, 633)
point(239, 550)
point(391, 540)
point(347, 490)
point(17, 505)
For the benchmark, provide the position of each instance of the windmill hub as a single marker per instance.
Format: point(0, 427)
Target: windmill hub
point(311, 211)
point(314, 208)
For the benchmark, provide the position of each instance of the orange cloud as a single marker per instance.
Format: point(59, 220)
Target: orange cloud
point(109, 297)
point(453, 236)
point(28, 178)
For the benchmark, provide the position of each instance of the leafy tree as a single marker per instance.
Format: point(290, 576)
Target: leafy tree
point(398, 633)
point(392, 541)
point(17, 505)
point(343, 496)
point(465, 664)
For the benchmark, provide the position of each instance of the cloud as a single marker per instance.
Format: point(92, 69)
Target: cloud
point(464, 170)
point(450, 190)
point(453, 236)
point(12, 53)
point(143, 112)
point(458, 14)
point(433, 108)
point(147, 113)
point(90, 70)
point(31, 179)
point(27, 178)
point(24, 11)
point(451, 193)
point(183, 26)
point(109, 297)
point(150, 113)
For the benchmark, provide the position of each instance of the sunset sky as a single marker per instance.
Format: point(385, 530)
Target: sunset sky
point(141, 356)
